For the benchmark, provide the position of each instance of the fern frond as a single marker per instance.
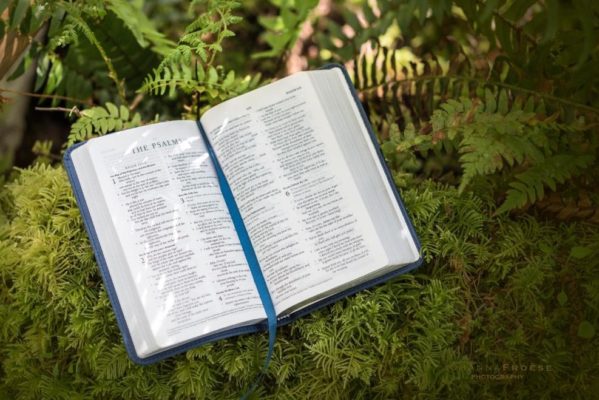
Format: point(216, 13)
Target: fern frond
point(62, 78)
point(529, 186)
point(175, 77)
point(75, 19)
point(396, 83)
point(102, 120)
point(496, 137)
point(140, 26)
point(190, 65)
point(212, 81)
point(213, 22)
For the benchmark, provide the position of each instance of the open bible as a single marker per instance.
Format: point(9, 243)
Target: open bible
point(289, 173)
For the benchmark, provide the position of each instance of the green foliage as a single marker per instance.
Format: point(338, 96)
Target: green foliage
point(214, 19)
point(107, 51)
point(142, 28)
point(92, 47)
point(282, 30)
point(75, 74)
point(492, 138)
point(190, 66)
point(488, 116)
point(486, 111)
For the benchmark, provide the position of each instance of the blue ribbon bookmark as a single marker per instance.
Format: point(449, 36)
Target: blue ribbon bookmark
point(252, 260)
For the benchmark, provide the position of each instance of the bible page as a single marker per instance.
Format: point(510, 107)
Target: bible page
point(309, 227)
point(182, 251)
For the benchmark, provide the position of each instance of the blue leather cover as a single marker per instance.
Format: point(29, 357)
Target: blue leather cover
point(248, 250)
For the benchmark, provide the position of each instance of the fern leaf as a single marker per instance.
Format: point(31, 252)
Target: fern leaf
point(529, 185)
point(140, 26)
point(211, 81)
point(100, 121)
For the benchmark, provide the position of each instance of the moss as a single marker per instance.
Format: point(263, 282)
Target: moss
point(495, 312)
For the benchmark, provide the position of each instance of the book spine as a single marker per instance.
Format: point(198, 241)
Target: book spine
point(247, 247)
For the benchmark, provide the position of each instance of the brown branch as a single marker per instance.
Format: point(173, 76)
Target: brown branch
point(136, 101)
point(88, 102)
point(73, 110)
